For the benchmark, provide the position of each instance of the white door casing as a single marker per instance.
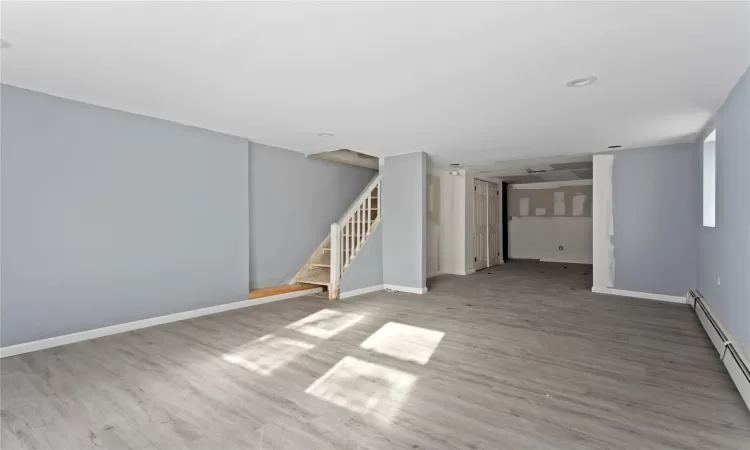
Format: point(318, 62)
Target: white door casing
point(480, 224)
point(493, 225)
point(487, 238)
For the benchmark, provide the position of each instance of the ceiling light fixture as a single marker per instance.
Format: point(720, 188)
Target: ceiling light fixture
point(326, 134)
point(615, 146)
point(581, 82)
point(454, 165)
point(454, 173)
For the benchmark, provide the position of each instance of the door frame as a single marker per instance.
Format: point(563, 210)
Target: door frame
point(478, 264)
point(494, 237)
point(481, 239)
point(504, 219)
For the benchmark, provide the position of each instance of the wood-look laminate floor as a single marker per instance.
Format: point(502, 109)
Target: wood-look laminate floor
point(522, 356)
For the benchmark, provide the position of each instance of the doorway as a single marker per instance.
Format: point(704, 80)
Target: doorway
point(480, 224)
point(487, 224)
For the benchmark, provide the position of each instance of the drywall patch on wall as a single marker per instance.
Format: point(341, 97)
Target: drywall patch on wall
point(603, 223)
point(579, 202)
point(559, 206)
point(556, 200)
point(524, 204)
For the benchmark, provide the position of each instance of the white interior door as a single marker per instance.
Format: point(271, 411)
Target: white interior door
point(493, 225)
point(480, 224)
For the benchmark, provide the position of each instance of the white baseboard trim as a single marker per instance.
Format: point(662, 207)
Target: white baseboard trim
point(470, 271)
point(57, 341)
point(730, 351)
point(407, 289)
point(561, 261)
point(445, 272)
point(734, 362)
point(356, 292)
point(646, 295)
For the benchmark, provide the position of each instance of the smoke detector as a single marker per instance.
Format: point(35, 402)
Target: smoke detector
point(581, 82)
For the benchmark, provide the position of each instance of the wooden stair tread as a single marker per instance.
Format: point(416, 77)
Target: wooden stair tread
point(319, 265)
point(276, 290)
point(318, 280)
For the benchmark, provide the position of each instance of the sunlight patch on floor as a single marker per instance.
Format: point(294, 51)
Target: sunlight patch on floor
point(325, 323)
point(268, 353)
point(404, 342)
point(365, 388)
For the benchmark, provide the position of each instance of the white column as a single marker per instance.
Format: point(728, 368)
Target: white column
point(603, 224)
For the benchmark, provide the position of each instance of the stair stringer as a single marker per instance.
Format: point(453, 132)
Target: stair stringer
point(313, 269)
point(348, 236)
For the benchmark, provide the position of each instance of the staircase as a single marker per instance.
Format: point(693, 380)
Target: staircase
point(341, 246)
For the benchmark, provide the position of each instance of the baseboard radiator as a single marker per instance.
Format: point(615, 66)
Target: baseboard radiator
point(729, 350)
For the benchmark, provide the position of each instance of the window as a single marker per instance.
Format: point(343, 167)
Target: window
point(709, 180)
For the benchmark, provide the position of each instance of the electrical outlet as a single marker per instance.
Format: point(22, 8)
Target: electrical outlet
point(718, 281)
point(560, 247)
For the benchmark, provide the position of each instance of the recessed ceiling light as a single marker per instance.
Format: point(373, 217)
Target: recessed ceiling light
point(580, 82)
point(4, 43)
point(454, 173)
point(615, 146)
point(326, 134)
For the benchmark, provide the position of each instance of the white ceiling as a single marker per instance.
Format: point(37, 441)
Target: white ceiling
point(472, 83)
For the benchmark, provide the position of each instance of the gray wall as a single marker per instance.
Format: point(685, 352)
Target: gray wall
point(293, 202)
point(656, 218)
point(404, 223)
point(367, 267)
point(725, 249)
point(109, 217)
